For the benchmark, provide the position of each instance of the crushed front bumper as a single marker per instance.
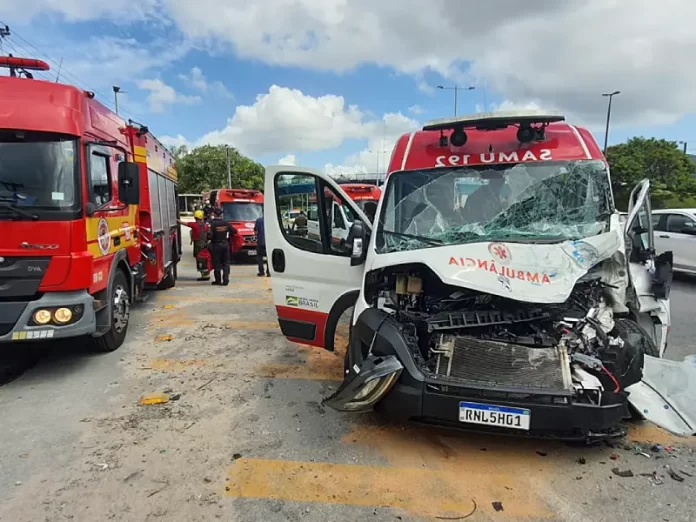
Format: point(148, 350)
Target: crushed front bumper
point(16, 317)
point(381, 350)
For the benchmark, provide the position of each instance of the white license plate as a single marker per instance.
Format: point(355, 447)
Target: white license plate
point(490, 415)
point(252, 252)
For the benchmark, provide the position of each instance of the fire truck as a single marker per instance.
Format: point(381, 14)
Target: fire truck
point(88, 210)
point(241, 208)
point(366, 197)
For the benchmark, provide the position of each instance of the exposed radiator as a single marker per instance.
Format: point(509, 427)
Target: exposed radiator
point(478, 361)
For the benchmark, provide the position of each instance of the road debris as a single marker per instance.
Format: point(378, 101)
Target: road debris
point(498, 506)
point(581, 460)
point(622, 473)
point(462, 517)
point(18, 483)
point(542, 453)
point(206, 384)
point(153, 398)
point(164, 338)
point(674, 475)
point(614, 456)
point(655, 478)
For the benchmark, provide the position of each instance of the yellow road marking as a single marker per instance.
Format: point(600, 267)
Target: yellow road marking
point(421, 491)
point(252, 325)
point(647, 432)
point(176, 365)
point(213, 299)
point(319, 365)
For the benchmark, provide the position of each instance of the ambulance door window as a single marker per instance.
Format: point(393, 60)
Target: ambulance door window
point(319, 228)
point(99, 178)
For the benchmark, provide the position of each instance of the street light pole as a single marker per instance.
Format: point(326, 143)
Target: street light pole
point(606, 132)
point(117, 91)
point(456, 91)
point(229, 172)
point(683, 143)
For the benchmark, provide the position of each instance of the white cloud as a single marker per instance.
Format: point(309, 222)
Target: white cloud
point(199, 82)
point(563, 54)
point(415, 109)
point(162, 94)
point(288, 159)
point(174, 141)
point(286, 119)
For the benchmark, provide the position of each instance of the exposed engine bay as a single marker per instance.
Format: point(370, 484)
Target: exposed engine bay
point(473, 339)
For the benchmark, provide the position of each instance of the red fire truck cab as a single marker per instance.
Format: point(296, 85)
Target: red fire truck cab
point(88, 213)
point(241, 208)
point(366, 196)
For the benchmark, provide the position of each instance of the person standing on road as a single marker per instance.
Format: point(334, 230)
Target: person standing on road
point(300, 224)
point(199, 238)
point(261, 246)
point(220, 234)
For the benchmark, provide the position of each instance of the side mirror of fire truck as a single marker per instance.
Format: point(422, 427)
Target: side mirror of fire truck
point(357, 242)
point(129, 183)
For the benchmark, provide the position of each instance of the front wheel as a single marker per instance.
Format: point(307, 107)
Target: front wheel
point(120, 315)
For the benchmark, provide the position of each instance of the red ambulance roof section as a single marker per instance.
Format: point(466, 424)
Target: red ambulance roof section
point(421, 149)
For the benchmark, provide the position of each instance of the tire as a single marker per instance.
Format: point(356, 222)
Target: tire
point(169, 280)
point(626, 326)
point(120, 316)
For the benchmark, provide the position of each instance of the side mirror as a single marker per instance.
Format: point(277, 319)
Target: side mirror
point(357, 241)
point(90, 209)
point(129, 183)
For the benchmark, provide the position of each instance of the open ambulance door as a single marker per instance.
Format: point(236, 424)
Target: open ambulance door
point(650, 275)
point(314, 279)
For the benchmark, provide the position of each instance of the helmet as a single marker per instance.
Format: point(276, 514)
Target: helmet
point(198, 214)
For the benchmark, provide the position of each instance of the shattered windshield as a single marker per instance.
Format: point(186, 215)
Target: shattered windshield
point(529, 202)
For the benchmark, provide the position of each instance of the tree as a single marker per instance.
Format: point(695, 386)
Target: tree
point(204, 168)
point(670, 171)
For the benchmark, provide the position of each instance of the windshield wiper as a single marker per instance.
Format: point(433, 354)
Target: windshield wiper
point(424, 239)
point(18, 211)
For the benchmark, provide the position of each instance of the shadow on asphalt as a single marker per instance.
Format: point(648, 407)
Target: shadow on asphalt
point(45, 360)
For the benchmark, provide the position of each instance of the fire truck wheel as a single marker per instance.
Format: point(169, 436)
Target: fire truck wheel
point(169, 280)
point(120, 313)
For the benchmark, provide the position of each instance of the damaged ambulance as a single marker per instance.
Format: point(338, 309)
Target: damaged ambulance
point(497, 288)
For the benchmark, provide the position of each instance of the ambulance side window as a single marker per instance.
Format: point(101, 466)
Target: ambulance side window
point(317, 224)
point(99, 178)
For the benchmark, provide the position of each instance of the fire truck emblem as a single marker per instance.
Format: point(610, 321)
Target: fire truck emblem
point(103, 236)
point(500, 252)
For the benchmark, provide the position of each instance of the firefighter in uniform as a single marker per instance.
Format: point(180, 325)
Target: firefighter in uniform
point(199, 238)
point(220, 233)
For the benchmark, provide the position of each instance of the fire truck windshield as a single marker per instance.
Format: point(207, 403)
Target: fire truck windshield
point(242, 211)
point(38, 170)
point(524, 202)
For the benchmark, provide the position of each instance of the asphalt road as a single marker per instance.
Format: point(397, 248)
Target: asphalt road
point(248, 439)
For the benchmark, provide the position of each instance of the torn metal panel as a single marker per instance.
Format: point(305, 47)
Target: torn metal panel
point(667, 395)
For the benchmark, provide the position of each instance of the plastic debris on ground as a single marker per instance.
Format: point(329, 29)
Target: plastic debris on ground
point(622, 473)
point(153, 398)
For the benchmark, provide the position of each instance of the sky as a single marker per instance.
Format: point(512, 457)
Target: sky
point(331, 84)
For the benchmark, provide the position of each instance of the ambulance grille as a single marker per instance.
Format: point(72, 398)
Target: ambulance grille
point(490, 363)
